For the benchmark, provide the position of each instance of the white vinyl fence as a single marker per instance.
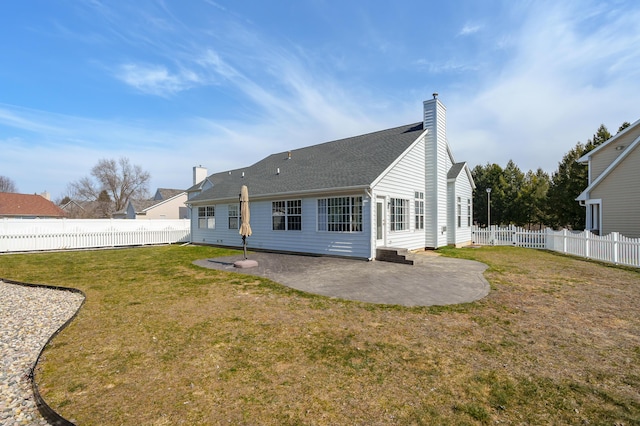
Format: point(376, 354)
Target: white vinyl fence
point(61, 234)
point(614, 248)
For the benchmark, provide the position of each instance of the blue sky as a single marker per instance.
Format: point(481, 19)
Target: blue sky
point(177, 83)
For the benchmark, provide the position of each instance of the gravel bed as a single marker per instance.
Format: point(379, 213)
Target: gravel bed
point(28, 317)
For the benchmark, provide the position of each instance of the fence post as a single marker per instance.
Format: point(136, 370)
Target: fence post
point(614, 235)
point(586, 244)
point(564, 240)
point(4, 238)
point(549, 240)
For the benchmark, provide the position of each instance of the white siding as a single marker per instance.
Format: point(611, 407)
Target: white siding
point(402, 181)
point(459, 236)
point(308, 240)
point(437, 163)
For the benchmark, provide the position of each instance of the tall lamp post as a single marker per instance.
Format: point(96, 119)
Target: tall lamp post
point(489, 208)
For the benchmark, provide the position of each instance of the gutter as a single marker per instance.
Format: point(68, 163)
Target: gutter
point(343, 190)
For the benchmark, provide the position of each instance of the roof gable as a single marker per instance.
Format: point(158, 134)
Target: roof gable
point(457, 169)
point(342, 164)
point(166, 193)
point(12, 204)
point(585, 194)
point(615, 139)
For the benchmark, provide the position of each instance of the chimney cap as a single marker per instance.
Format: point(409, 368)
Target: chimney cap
point(435, 95)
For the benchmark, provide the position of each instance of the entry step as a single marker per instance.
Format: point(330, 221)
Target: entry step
point(389, 254)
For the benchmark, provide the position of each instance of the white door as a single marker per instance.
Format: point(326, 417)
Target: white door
point(380, 223)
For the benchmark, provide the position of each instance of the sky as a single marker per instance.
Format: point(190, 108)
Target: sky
point(219, 83)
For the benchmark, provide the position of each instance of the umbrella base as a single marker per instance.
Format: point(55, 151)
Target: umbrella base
point(246, 263)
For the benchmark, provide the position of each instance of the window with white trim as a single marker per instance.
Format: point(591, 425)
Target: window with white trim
point(340, 214)
point(206, 217)
point(419, 210)
point(286, 215)
point(233, 216)
point(399, 214)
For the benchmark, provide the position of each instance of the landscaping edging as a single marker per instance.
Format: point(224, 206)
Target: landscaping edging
point(45, 410)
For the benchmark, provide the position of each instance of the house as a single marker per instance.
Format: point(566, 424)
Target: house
point(27, 206)
point(612, 197)
point(399, 188)
point(165, 204)
point(94, 209)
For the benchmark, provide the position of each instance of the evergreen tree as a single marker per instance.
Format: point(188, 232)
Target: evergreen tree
point(623, 126)
point(511, 208)
point(488, 176)
point(533, 198)
point(569, 181)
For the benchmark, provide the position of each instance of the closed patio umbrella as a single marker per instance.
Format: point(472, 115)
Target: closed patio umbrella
point(245, 227)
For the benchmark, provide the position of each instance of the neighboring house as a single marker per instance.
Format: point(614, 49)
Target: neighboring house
point(166, 204)
point(612, 198)
point(73, 209)
point(397, 188)
point(26, 206)
point(87, 209)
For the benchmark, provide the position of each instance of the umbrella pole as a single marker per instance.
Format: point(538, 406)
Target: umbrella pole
point(244, 245)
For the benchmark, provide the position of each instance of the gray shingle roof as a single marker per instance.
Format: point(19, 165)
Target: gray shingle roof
point(166, 193)
point(455, 170)
point(345, 163)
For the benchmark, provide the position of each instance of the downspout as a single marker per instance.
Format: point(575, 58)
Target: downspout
point(372, 243)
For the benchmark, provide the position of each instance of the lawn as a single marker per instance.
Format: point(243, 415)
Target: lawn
point(161, 341)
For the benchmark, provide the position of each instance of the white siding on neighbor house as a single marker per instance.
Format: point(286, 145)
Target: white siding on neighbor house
point(307, 240)
point(402, 181)
point(437, 164)
point(621, 198)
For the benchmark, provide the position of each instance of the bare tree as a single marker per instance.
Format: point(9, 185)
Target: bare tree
point(7, 185)
point(115, 181)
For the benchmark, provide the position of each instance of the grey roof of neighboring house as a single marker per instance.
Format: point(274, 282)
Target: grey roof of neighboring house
point(141, 205)
point(345, 163)
point(167, 193)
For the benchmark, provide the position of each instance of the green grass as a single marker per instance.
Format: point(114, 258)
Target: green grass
point(161, 341)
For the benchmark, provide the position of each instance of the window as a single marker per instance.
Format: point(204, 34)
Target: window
point(469, 212)
point(459, 211)
point(206, 217)
point(286, 215)
point(340, 214)
point(399, 214)
point(419, 210)
point(233, 216)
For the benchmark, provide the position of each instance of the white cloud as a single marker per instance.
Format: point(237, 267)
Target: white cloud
point(156, 79)
point(560, 85)
point(469, 29)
